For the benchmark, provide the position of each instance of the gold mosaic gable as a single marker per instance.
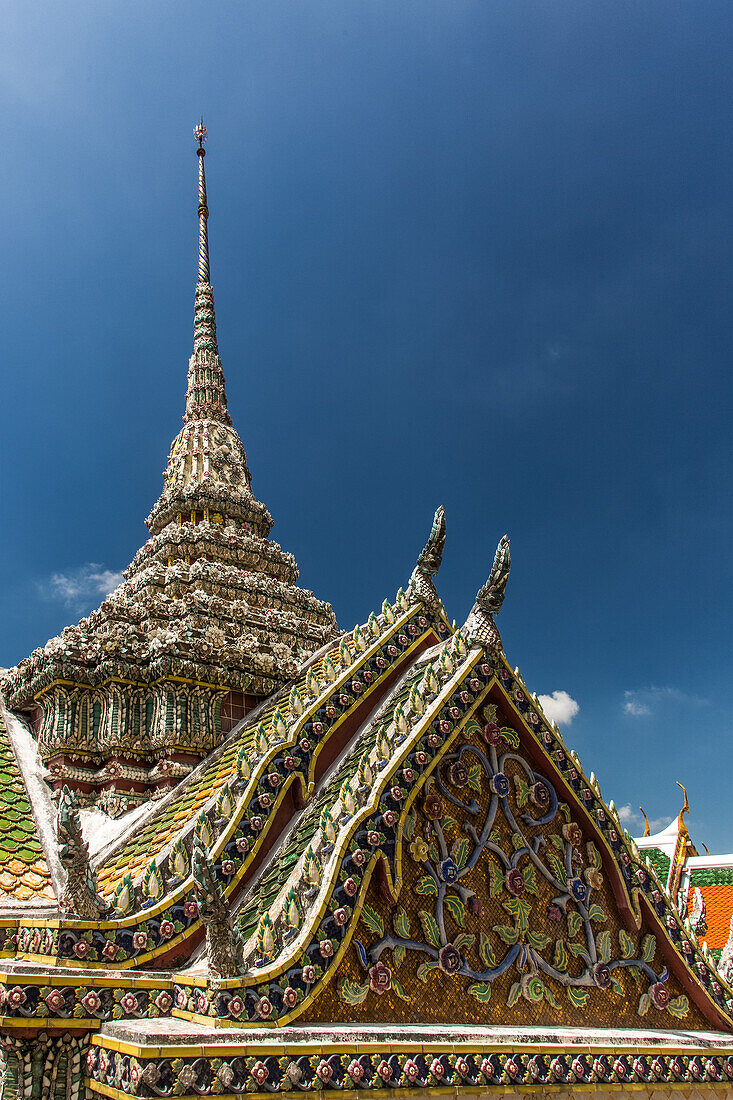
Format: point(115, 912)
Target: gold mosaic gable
point(512, 907)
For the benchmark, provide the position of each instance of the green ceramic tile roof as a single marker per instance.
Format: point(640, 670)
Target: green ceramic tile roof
point(170, 819)
point(715, 876)
point(24, 873)
point(659, 861)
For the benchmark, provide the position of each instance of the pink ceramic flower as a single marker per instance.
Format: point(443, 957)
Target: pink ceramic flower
point(355, 1071)
point(163, 1001)
point(55, 1000)
point(91, 1001)
point(260, 1072)
point(380, 979)
point(128, 1003)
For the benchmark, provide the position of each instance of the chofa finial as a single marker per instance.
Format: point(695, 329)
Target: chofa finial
point(480, 627)
point(422, 586)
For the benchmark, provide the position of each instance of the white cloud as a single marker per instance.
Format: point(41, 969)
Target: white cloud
point(80, 587)
point(559, 707)
point(643, 701)
point(634, 821)
point(631, 706)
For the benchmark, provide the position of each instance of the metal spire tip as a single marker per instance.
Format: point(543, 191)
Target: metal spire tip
point(199, 132)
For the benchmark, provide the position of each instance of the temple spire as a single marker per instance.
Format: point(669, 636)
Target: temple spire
point(206, 399)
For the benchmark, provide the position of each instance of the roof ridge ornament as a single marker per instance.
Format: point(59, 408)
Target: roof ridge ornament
point(480, 627)
point(421, 586)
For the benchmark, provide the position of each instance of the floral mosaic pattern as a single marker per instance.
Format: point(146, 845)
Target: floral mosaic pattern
point(382, 1069)
point(506, 897)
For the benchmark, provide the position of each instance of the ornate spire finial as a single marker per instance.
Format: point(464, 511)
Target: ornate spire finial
point(206, 399)
point(199, 132)
point(647, 830)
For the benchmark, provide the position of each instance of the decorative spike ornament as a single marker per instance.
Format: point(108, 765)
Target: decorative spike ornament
point(292, 915)
point(373, 625)
point(279, 726)
point(152, 883)
point(203, 832)
point(388, 612)
point(329, 669)
point(345, 657)
point(384, 750)
point(312, 684)
point(346, 797)
point(401, 601)
point(244, 770)
point(399, 720)
point(365, 774)
point(416, 699)
point(295, 702)
point(123, 898)
point(429, 684)
point(266, 937)
point(311, 867)
point(224, 804)
point(458, 645)
point(327, 829)
point(178, 862)
point(446, 663)
point(261, 740)
point(360, 642)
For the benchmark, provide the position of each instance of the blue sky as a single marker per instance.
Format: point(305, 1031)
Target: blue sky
point(463, 252)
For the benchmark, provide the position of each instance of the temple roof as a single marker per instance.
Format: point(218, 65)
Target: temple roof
point(395, 842)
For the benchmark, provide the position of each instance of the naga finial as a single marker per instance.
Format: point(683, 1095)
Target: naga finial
point(491, 596)
point(422, 586)
point(80, 894)
point(223, 943)
point(480, 627)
